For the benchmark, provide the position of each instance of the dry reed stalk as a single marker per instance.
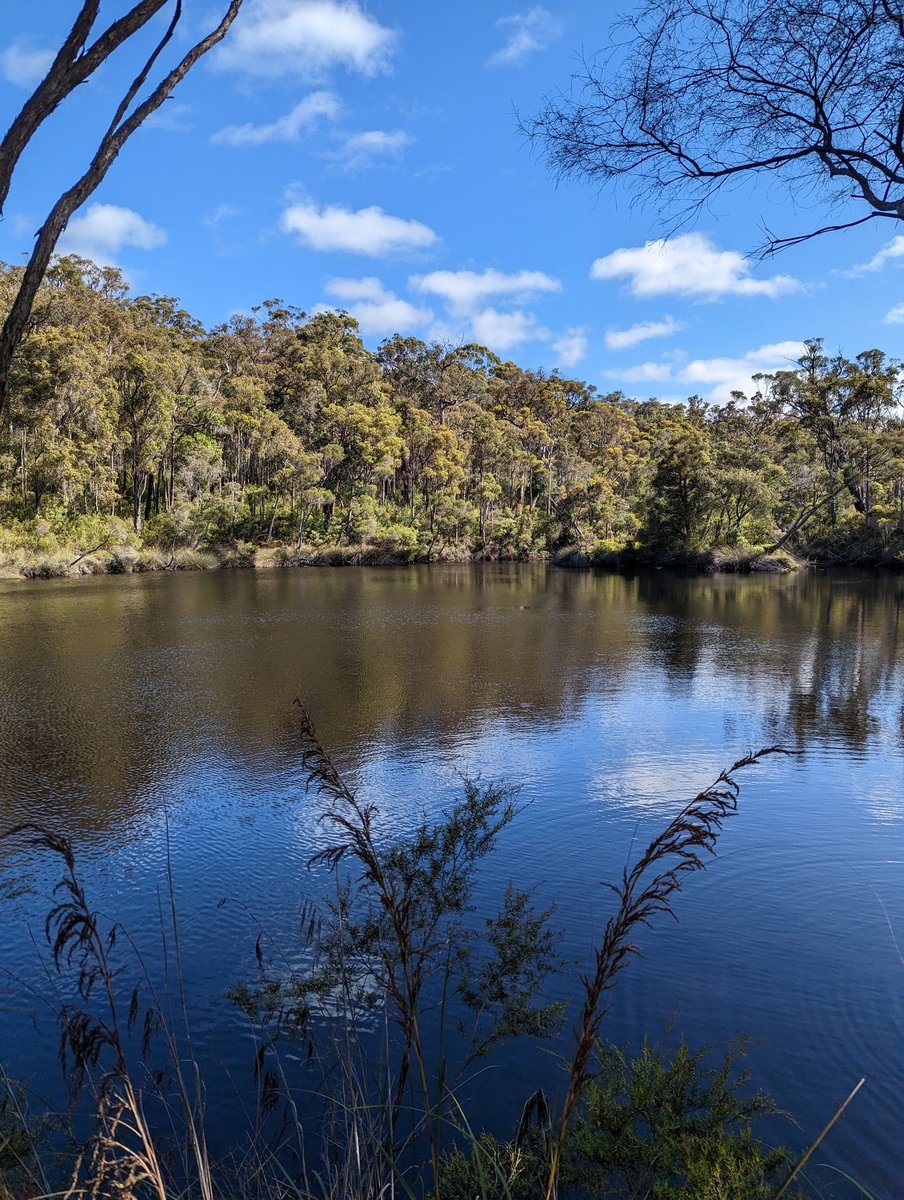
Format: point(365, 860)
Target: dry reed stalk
point(417, 889)
point(678, 851)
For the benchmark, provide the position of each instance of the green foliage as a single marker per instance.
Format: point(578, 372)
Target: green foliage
point(21, 1137)
point(397, 928)
point(673, 1126)
point(484, 1168)
point(397, 935)
point(283, 430)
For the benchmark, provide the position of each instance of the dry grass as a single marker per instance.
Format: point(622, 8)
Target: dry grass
point(417, 891)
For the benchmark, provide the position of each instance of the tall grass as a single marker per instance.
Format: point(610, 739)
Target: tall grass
point(395, 938)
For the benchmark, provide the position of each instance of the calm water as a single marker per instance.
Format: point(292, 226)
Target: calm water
point(129, 705)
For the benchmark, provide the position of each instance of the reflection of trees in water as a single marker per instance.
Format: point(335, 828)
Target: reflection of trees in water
point(845, 680)
point(821, 653)
point(109, 685)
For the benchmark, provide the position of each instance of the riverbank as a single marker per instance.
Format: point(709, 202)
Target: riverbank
point(125, 560)
point(46, 554)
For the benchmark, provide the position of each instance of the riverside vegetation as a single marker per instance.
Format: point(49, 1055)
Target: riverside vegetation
point(358, 1067)
point(136, 439)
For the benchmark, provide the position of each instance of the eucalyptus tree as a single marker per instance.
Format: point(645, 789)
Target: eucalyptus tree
point(847, 409)
point(84, 51)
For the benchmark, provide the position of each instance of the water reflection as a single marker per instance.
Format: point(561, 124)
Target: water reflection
point(107, 685)
point(609, 698)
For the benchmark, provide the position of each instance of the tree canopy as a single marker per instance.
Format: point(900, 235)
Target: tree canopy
point(128, 419)
point(84, 51)
point(697, 94)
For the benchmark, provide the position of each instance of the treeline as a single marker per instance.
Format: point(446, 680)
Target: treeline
point(130, 422)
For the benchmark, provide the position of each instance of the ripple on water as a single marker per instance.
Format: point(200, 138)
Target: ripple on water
point(152, 718)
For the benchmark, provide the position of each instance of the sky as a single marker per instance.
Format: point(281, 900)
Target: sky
point(365, 155)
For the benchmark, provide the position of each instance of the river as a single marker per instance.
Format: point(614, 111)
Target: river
point(144, 712)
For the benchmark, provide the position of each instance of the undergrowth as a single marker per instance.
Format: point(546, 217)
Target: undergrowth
point(388, 954)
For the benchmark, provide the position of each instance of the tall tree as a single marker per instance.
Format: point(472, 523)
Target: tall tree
point(77, 59)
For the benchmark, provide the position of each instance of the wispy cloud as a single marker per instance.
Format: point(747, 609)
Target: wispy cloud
point(23, 64)
point(467, 296)
point(378, 311)
point(571, 346)
point(503, 331)
point(646, 372)
point(313, 108)
point(364, 149)
point(222, 212)
point(528, 33)
point(895, 316)
point(172, 117)
point(718, 378)
point(688, 265)
point(890, 252)
point(305, 39)
point(369, 231)
point(624, 339)
point(103, 230)
point(464, 290)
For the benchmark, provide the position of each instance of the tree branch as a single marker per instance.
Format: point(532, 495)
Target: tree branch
point(112, 142)
point(68, 70)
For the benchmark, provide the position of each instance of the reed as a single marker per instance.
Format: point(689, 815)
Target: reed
point(396, 934)
point(647, 889)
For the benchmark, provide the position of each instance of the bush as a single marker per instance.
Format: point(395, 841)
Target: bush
point(396, 539)
point(673, 1126)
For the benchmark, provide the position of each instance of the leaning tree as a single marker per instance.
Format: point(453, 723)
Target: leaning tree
point(694, 95)
point(83, 52)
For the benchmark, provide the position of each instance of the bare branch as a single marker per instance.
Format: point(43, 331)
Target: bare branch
point(697, 94)
point(72, 66)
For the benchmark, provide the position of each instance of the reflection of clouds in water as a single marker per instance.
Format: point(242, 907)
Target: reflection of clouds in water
point(879, 789)
point(655, 786)
point(611, 700)
point(407, 787)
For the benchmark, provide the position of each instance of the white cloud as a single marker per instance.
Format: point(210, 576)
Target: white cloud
point(464, 291)
point(377, 310)
point(776, 356)
point(367, 231)
point(102, 230)
point(286, 129)
point(530, 32)
point(647, 372)
point(25, 65)
point(571, 346)
point(688, 265)
point(467, 296)
point(895, 316)
point(717, 378)
point(362, 149)
point(889, 253)
point(172, 117)
point(305, 38)
point(503, 331)
point(624, 339)
point(222, 212)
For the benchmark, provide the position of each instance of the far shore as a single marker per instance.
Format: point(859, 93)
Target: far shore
point(125, 560)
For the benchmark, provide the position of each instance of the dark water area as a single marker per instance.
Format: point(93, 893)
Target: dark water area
point(141, 713)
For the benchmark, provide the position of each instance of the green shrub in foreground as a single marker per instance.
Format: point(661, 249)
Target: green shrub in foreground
point(662, 1125)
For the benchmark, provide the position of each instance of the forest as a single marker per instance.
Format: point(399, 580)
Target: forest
point(136, 439)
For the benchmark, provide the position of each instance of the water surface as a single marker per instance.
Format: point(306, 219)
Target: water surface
point(141, 712)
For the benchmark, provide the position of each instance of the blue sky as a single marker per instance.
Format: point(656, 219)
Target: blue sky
point(366, 156)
